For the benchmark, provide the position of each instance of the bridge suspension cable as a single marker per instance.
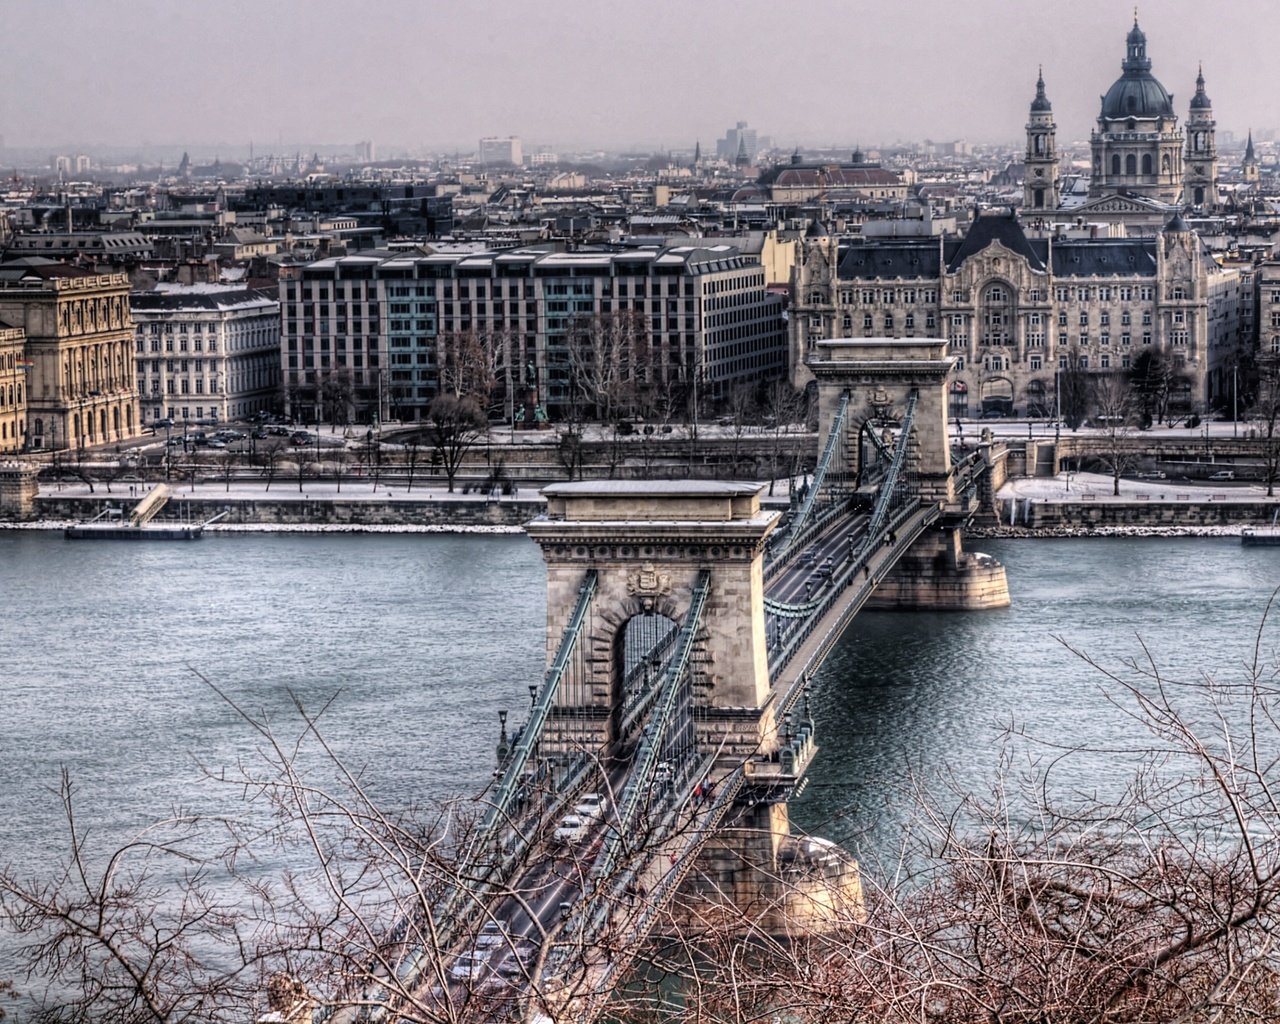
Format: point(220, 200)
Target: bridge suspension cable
point(532, 732)
point(796, 527)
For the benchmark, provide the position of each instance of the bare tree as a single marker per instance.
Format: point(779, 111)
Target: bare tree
point(454, 425)
point(473, 363)
point(337, 391)
point(610, 361)
point(784, 407)
point(1150, 378)
point(1074, 387)
point(412, 458)
point(1113, 400)
point(269, 454)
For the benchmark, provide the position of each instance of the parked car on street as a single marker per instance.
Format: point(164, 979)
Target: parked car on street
point(1223, 474)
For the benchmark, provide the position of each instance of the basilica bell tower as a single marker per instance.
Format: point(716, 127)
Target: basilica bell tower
point(1200, 169)
point(1040, 188)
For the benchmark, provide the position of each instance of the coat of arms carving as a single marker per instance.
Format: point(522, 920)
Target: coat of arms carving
point(647, 581)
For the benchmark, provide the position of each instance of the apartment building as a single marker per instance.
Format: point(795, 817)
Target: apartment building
point(206, 353)
point(377, 319)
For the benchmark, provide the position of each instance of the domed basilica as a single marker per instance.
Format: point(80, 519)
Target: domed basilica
point(1137, 147)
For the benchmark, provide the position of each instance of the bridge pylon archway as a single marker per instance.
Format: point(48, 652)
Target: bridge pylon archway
point(648, 542)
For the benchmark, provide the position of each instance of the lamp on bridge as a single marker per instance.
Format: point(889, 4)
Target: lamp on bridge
point(504, 744)
point(533, 694)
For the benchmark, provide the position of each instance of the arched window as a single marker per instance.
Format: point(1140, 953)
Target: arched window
point(1115, 163)
point(1131, 164)
point(1146, 163)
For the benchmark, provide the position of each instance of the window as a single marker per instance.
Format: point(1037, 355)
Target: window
point(1083, 362)
point(1146, 317)
point(1179, 316)
point(1179, 292)
point(1104, 318)
point(1104, 293)
point(1034, 319)
point(1063, 293)
point(1124, 361)
point(1125, 339)
point(1125, 319)
point(867, 323)
point(1035, 362)
point(1084, 318)
point(1146, 293)
point(888, 322)
point(1062, 318)
point(1062, 362)
point(1106, 360)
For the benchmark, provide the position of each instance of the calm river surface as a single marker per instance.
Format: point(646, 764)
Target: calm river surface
point(420, 639)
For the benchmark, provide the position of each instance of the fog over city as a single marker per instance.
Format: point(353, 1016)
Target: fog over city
point(422, 76)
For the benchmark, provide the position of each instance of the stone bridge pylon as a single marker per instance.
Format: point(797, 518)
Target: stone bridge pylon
point(648, 542)
point(881, 376)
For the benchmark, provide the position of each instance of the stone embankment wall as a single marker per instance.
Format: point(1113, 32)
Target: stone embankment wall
point(296, 510)
point(1084, 516)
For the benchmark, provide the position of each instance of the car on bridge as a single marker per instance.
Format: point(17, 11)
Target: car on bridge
point(469, 966)
point(572, 829)
point(589, 806)
point(491, 936)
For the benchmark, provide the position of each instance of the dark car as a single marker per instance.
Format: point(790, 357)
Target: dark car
point(299, 438)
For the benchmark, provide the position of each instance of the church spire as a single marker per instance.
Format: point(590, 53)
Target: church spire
point(1041, 102)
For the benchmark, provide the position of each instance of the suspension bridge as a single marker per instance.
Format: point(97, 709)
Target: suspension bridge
point(648, 787)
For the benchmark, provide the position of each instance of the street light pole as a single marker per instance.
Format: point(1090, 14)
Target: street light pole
point(1235, 399)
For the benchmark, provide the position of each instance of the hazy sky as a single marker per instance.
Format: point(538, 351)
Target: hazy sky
point(578, 73)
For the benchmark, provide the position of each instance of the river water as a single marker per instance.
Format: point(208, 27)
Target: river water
point(413, 642)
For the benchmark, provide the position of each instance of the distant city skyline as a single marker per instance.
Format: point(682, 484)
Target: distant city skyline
point(415, 76)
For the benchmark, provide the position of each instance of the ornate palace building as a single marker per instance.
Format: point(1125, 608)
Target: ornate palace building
point(81, 387)
point(1019, 309)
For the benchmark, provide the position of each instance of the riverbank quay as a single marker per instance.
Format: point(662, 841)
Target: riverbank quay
point(1083, 505)
point(319, 506)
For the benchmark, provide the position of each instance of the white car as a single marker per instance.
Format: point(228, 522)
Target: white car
point(572, 829)
point(468, 966)
point(589, 806)
point(491, 936)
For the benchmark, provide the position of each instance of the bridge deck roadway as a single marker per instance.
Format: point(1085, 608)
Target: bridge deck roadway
point(790, 586)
